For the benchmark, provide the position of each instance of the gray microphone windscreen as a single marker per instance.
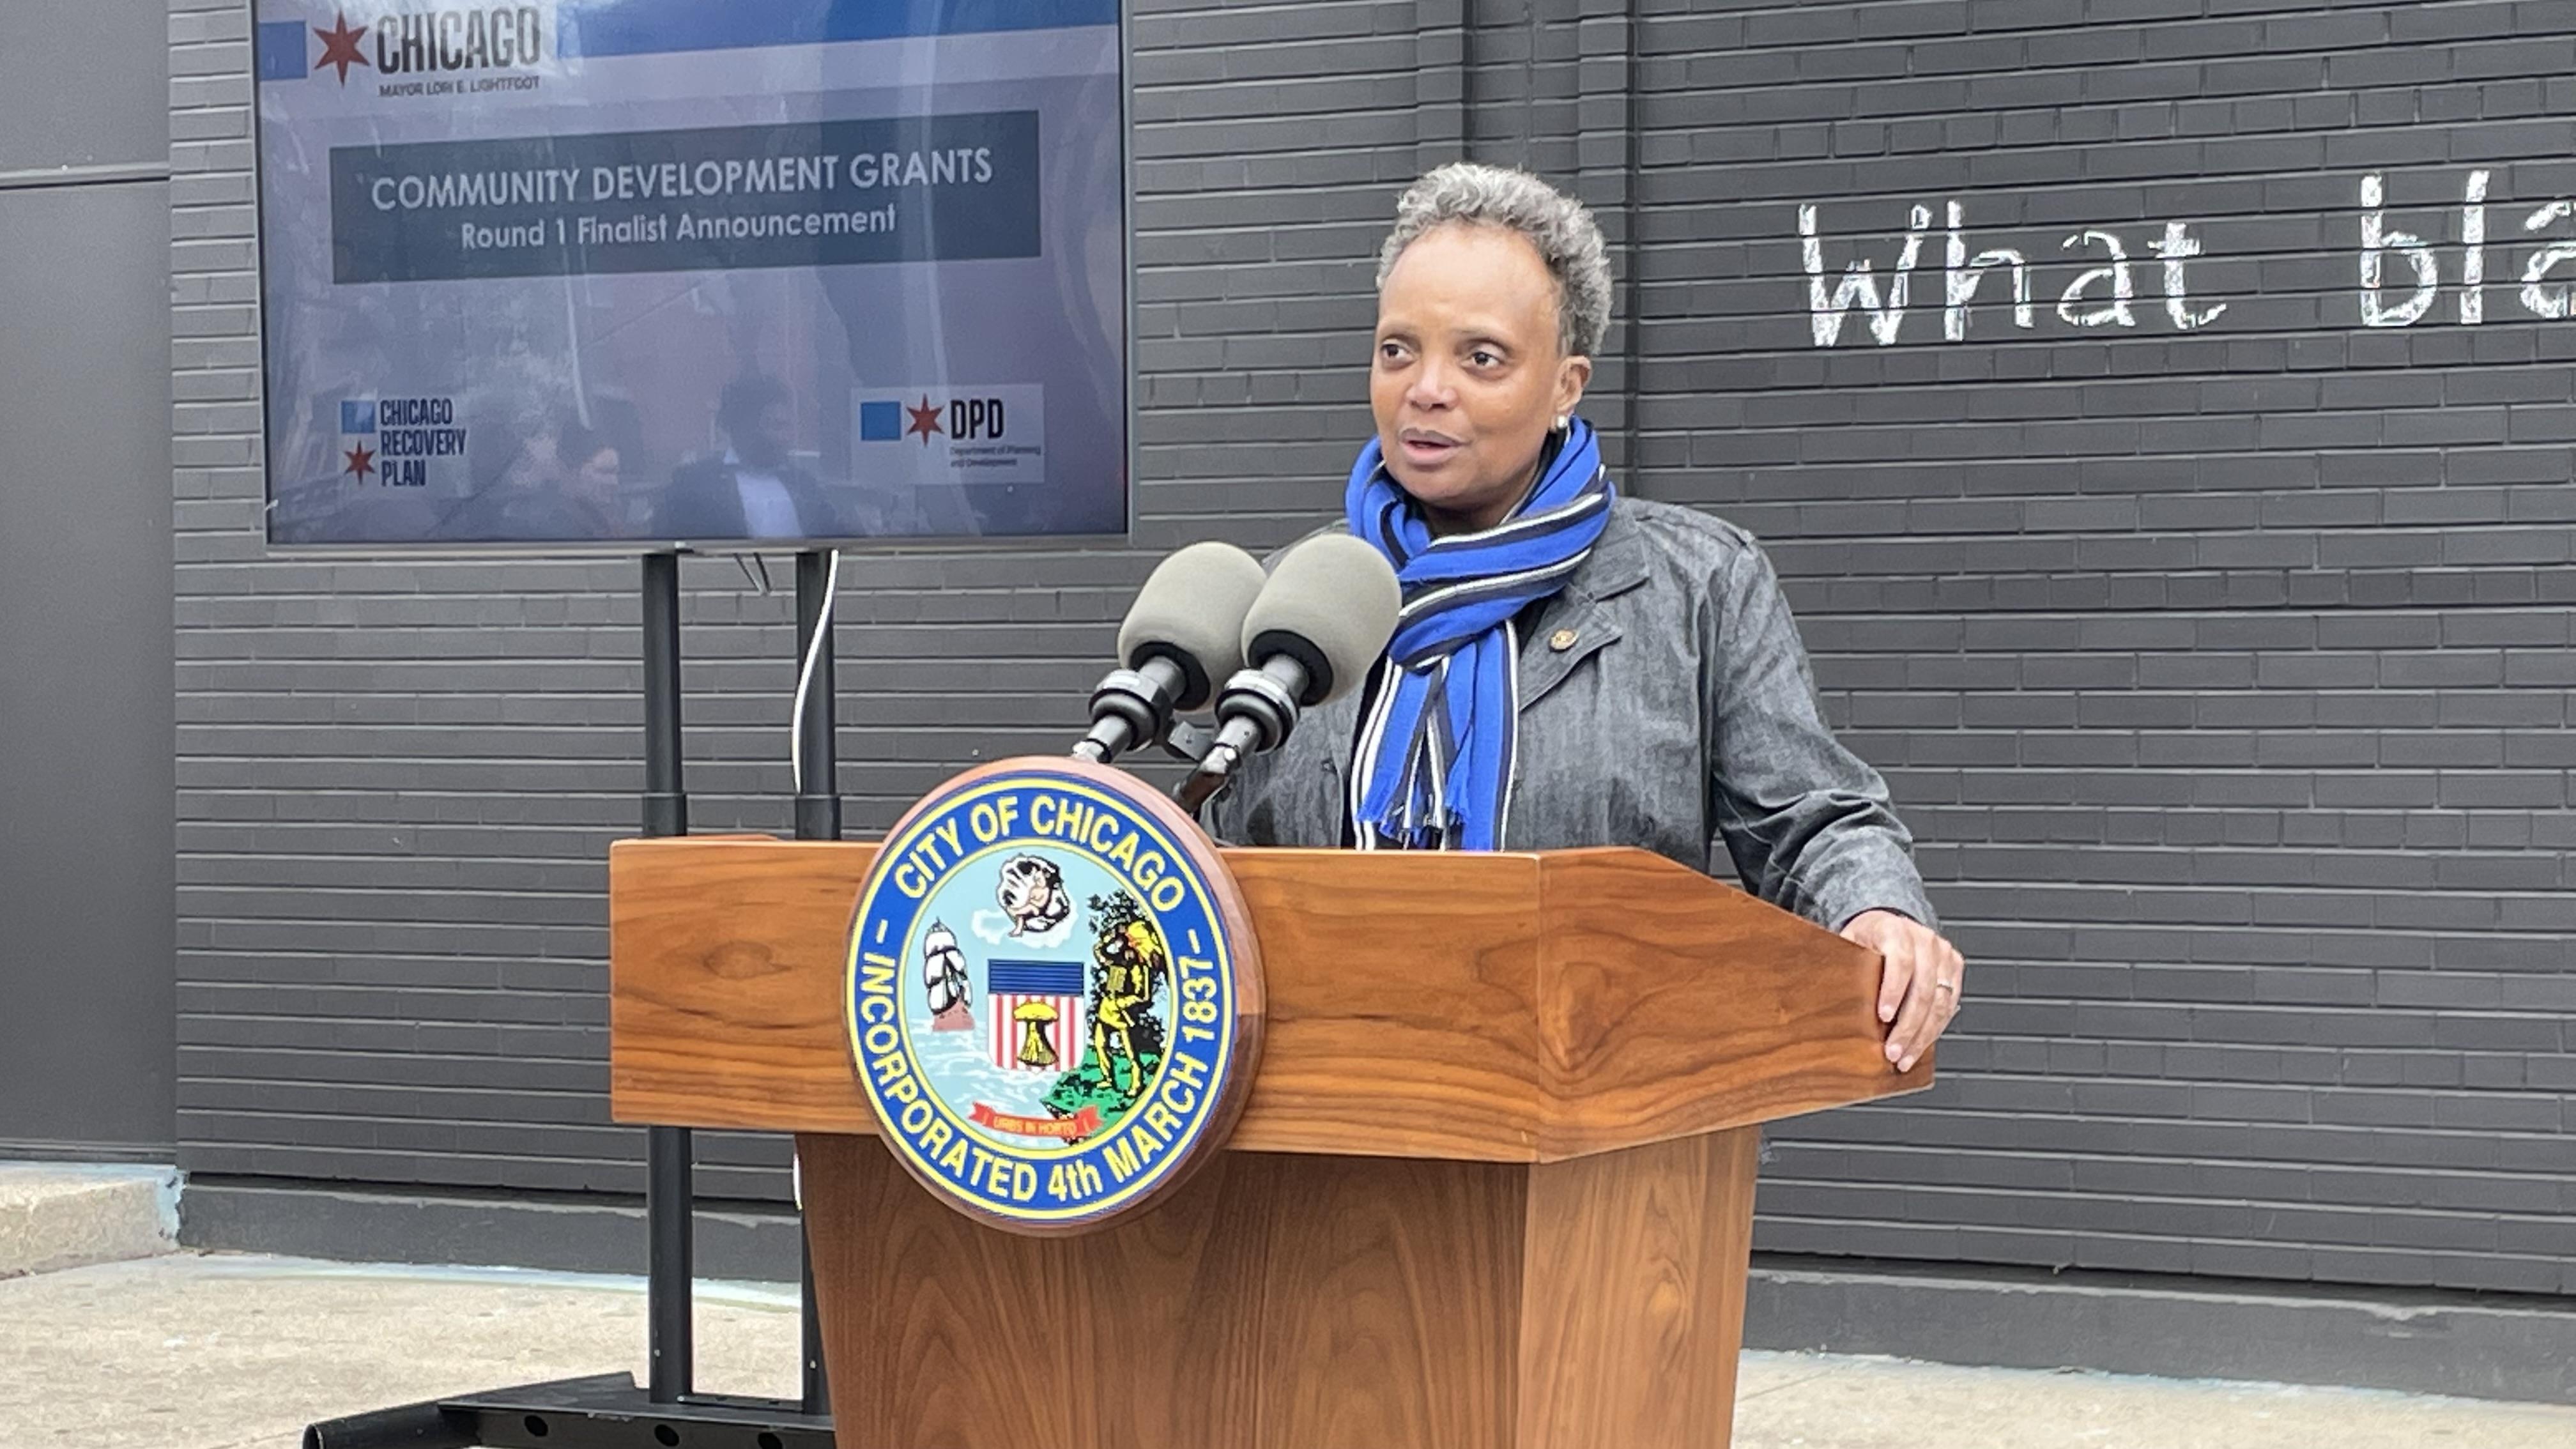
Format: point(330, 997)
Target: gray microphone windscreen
point(1331, 603)
point(1191, 612)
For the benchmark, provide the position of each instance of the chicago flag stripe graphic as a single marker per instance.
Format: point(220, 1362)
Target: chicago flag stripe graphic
point(1014, 984)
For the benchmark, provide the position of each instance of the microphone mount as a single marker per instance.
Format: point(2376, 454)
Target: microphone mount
point(1187, 742)
point(1255, 713)
point(1132, 706)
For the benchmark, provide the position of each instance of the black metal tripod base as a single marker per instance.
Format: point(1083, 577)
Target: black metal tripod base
point(606, 1411)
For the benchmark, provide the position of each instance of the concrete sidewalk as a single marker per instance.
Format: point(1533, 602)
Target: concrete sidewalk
point(234, 1352)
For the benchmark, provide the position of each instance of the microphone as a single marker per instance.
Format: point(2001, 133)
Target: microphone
point(1182, 635)
point(1311, 635)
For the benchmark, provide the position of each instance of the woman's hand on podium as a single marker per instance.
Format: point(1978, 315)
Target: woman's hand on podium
point(1918, 990)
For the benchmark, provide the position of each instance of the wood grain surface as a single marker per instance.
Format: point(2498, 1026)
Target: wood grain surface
point(1298, 1301)
point(1276, 1302)
point(724, 983)
point(1632, 1310)
point(1400, 1019)
point(1670, 1005)
point(1496, 1007)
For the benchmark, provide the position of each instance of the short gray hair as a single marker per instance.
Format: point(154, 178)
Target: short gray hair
point(1465, 193)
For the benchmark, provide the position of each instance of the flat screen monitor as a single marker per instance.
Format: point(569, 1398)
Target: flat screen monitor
point(706, 273)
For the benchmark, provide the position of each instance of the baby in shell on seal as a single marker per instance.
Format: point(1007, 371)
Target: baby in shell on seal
point(1032, 894)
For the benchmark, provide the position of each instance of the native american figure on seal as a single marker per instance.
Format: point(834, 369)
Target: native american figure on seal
point(1130, 964)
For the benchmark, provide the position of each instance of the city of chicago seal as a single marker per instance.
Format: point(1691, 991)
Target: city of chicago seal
point(1054, 997)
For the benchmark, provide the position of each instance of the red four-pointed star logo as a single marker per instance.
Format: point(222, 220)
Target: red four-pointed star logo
point(362, 461)
point(340, 46)
point(925, 421)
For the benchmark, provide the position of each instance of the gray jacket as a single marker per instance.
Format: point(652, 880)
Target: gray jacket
point(1665, 703)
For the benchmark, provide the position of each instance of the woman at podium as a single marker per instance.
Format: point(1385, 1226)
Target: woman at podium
point(1575, 667)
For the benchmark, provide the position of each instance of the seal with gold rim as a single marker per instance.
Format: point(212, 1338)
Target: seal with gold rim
point(1102, 1035)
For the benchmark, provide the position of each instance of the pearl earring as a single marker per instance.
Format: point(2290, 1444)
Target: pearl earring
point(1560, 422)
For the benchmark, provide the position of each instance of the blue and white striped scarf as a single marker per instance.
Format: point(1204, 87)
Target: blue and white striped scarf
point(1434, 759)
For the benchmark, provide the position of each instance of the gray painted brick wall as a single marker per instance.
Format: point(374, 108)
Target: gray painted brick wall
point(2222, 671)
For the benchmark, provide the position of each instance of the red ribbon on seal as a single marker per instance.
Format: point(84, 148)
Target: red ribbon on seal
point(1084, 1123)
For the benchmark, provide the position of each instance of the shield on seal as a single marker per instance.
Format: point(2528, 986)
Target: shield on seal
point(1055, 985)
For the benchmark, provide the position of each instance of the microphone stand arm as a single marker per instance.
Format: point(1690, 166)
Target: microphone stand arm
point(1254, 715)
point(1215, 772)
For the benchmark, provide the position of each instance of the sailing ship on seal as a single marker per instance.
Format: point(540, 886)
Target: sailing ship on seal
point(943, 970)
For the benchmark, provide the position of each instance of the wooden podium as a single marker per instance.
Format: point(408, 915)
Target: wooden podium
point(1493, 1188)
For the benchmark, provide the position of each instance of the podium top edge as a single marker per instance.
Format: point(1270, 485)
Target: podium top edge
point(1311, 852)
